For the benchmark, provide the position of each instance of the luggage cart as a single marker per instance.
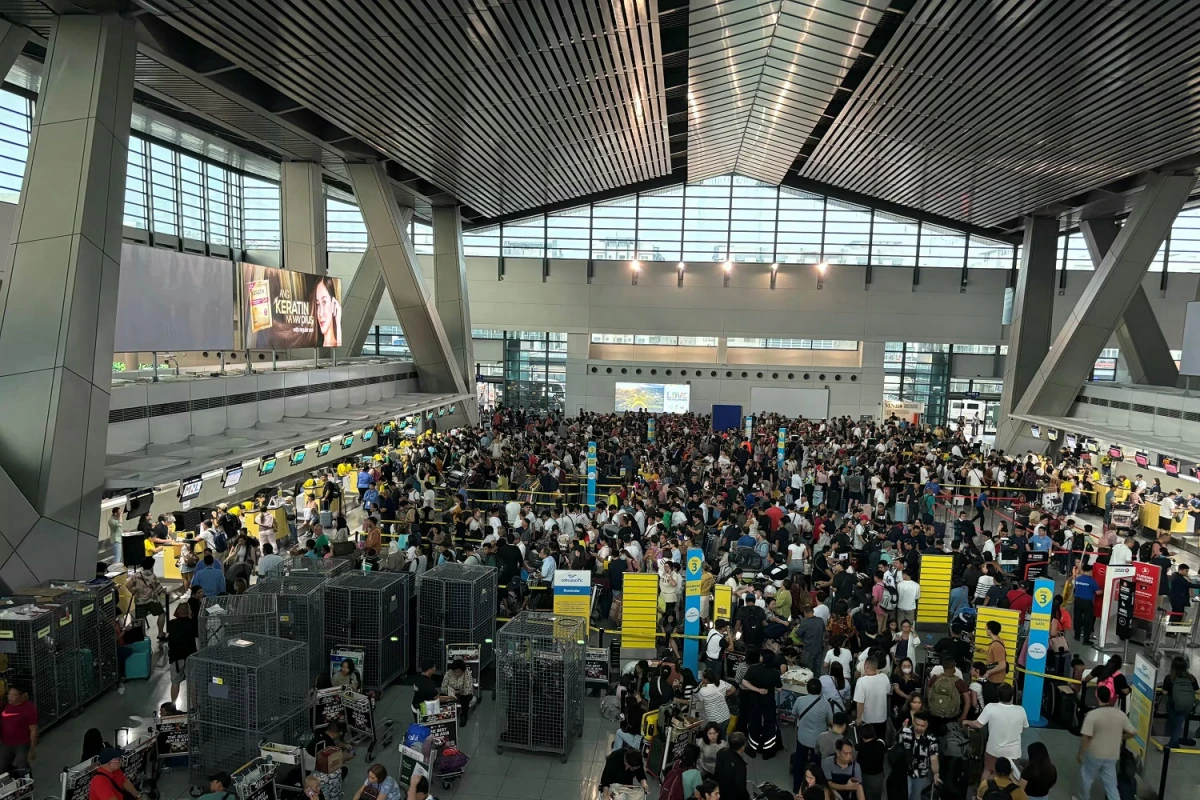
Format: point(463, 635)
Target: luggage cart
point(140, 763)
point(171, 732)
point(255, 780)
point(361, 725)
point(447, 764)
point(1122, 517)
point(15, 788)
point(292, 769)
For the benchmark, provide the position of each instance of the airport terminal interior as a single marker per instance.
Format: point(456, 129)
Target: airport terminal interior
point(575, 399)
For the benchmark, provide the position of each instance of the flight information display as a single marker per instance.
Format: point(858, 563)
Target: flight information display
point(656, 398)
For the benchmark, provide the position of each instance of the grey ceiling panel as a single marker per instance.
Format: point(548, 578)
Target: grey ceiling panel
point(761, 75)
point(984, 111)
point(507, 105)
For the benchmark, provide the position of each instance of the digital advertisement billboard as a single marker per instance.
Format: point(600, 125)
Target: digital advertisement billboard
point(283, 309)
point(656, 398)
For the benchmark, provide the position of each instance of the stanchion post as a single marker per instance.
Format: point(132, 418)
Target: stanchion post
point(1162, 776)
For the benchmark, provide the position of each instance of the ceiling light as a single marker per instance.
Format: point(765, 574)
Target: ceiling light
point(822, 267)
point(681, 265)
point(728, 266)
point(774, 267)
point(635, 265)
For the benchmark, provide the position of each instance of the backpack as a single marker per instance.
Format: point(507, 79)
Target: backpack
point(1183, 695)
point(672, 785)
point(890, 599)
point(944, 700)
point(996, 792)
point(220, 541)
point(958, 741)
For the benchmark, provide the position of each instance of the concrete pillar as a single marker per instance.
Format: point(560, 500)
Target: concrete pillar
point(578, 348)
point(450, 290)
point(387, 229)
point(1099, 310)
point(305, 242)
point(58, 308)
point(1033, 309)
point(359, 303)
point(1143, 348)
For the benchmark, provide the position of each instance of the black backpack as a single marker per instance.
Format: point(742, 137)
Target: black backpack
point(996, 792)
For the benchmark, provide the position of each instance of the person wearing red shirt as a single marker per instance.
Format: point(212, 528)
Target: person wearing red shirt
point(1020, 599)
point(18, 732)
point(108, 781)
point(775, 513)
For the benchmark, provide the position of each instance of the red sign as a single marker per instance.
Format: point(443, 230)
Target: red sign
point(1098, 573)
point(1145, 596)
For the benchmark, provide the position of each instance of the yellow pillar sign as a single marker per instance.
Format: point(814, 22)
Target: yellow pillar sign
point(639, 612)
point(722, 603)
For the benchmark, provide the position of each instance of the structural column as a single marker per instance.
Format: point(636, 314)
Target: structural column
point(1033, 310)
point(1143, 347)
point(450, 289)
point(1100, 309)
point(305, 241)
point(360, 301)
point(58, 307)
point(387, 230)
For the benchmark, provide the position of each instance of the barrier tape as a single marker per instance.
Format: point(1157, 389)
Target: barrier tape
point(1190, 751)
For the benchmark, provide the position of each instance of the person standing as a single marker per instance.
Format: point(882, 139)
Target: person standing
point(908, 593)
point(265, 519)
point(1085, 588)
point(730, 771)
point(1180, 592)
point(813, 716)
point(842, 772)
point(997, 663)
point(871, 697)
point(1102, 735)
point(18, 732)
point(1005, 723)
point(181, 643)
point(1180, 688)
point(714, 647)
point(922, 748)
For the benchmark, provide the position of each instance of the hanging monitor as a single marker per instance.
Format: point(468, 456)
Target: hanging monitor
point(1141, 458)
point(323, 450)
point(1035, 431)
point(368, 434)
point(233, 476)
point(298, 456)
point(347, 441)
point(267, 465)
point(190, 487)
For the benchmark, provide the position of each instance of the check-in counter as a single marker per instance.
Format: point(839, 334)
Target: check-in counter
point(1150, 514)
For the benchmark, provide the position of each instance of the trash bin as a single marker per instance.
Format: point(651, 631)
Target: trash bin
point(133, 548)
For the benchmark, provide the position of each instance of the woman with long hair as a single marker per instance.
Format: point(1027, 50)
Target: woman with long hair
point(710, 741)
point(835, 688)
point(838, 653)
point(1180, 688)
point(1040, 774)
point(327, 312)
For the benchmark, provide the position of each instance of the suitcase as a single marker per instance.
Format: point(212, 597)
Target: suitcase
point(137, 663)
point(327, 520)
point(614, 613)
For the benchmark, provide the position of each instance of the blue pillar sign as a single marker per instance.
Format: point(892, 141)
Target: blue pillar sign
point(1035, 654)
point(691, 609)
point(650, 430)
point(779, 445)
point(591, 475)
point(748, 426)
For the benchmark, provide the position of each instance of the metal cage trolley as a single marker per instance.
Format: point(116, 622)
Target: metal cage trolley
point(171, 732)
point(63, 640)
point(27, 655)
point(303, 565)
point(241, 692)
point(300, 599)
point(233, 615)
point(456, 603)
point(98, 667)
point(255, 780)
point(540, 679)
point(15, 788)
point(369, 611)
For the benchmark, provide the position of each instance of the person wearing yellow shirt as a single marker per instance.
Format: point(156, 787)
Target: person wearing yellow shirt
point(1066, 487)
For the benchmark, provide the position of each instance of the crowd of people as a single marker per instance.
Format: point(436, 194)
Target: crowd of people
point(821, 548)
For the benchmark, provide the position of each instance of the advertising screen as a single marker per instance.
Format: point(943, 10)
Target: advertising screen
point(190, 488)
point(657, 398)
point(168, 301)
point(233, 476)
point(267, 466)
point(283, 309)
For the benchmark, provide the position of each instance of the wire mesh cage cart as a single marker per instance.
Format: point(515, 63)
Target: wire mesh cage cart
point(456, 603)
point(300, 598)
point(64, 639)
point(329, 567)
point(241, 692)
point(369, 611)
point(27, 656)
point(15, 788)
point(97, 609)
point(540, 680)
point(233, 615)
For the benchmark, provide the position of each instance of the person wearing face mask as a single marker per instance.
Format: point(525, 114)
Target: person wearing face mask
point(904, 684)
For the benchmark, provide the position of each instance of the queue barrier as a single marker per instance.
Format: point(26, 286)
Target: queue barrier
point(1166, 762)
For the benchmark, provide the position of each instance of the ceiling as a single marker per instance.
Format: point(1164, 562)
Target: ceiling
point(761, 75)
point(964, 113)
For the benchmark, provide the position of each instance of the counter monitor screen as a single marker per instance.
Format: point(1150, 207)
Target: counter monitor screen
point(267, 466)
point(368, 434)
point(1071, 441)
point(1116, 452)
point(1036, 431)
point(298, 456)
point(441, 411)
point(323, 450)
point(347, 441)
point(1170, 466)
point(233, 476)
point(1141, 459)
point(451, 411)
point(429, 414)
point(387, 429)
point(1093, 447)
point(190, 488)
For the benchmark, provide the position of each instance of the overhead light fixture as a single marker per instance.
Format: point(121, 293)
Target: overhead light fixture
point(635, 267)
point(774, 274)
point(821, 267)
point(680, 276)
point(728, 267)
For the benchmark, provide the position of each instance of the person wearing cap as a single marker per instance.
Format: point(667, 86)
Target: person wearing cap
point(109, 781)
point(219, 787)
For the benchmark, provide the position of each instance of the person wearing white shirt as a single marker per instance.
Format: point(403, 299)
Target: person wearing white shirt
point(1122, 553)
point(821, 610)
point(989, 546)
point(908, 591)
point(871, 693)
point(639, 517)
point(512, 509)
point(678, 519)
point(797, 555)
point(635, 550)
point(1005, 723)
point(269, 561)
point(840, 654)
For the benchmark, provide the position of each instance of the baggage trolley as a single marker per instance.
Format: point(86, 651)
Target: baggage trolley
point(171, 732)
point(1122, 517)
point(447, 764)
point(15, 788)
point(255, 780)
point(361, 724)
point(140, 761)
point(292, 768)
